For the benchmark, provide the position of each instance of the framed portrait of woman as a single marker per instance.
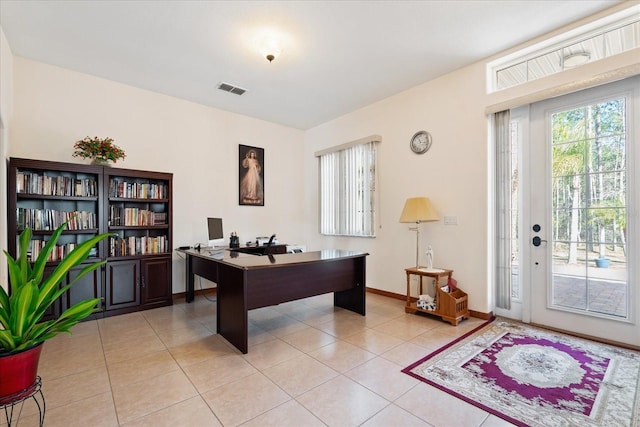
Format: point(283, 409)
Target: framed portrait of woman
point(251, 175)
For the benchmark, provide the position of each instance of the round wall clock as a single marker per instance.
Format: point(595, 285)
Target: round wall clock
point(420, 142)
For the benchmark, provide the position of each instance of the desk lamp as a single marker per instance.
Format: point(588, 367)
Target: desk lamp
point(418, 210)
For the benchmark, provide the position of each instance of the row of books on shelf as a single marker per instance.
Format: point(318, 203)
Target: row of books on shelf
point(135, 217)
point(136, 190)
point(57, 253)
point(34, 183)
point(50, 219)
point(117, 247)
point(137, 245)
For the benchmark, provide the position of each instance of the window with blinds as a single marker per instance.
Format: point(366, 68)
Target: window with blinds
point(348, 189)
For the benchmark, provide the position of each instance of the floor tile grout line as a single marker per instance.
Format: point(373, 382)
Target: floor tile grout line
point(153, 322)
point(339, 374)
point(106, 365)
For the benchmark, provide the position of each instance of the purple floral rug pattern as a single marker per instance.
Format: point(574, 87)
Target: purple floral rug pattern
point(534, 377)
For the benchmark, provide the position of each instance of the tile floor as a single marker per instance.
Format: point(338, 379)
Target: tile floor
point(309, 364)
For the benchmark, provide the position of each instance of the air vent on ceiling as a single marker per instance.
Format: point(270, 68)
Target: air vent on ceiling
point(231, 88)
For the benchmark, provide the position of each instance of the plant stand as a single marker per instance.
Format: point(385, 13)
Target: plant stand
point(33, 392)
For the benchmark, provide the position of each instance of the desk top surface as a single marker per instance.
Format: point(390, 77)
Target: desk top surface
point(247, 261)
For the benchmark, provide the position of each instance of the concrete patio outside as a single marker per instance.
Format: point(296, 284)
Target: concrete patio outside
point(604, 292)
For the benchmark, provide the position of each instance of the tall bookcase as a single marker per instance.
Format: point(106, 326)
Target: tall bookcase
point(138, 210)
point(134, 205)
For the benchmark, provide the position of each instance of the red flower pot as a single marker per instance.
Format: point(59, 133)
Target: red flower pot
point(18, 373)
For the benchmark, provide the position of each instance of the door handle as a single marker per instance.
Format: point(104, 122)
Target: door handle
point(537, 241)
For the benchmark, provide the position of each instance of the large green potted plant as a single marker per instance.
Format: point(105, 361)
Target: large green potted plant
point(22, 330)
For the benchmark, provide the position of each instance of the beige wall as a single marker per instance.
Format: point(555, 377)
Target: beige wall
point(6, 108)
point(453, 174)
point(456, 173)
point(54, 107)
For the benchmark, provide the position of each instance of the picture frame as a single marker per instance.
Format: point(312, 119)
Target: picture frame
point(250, 175)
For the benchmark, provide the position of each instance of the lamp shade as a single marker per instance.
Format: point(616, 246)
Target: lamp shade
point(418, 209)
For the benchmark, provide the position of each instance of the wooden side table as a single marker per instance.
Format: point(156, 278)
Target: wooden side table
point(451, 307)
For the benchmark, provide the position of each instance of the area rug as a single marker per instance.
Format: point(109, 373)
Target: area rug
point(534, 377)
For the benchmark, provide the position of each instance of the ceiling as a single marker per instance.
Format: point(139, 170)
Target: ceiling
point(337, 56)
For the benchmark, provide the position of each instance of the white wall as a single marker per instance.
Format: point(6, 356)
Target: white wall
point(455, 173)
point(54, 107)
point(6, 109)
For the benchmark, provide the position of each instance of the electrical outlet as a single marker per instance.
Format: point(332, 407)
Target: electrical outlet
point(450, 220)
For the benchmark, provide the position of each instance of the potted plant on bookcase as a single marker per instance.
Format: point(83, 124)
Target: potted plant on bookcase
point(100, 150)
point(22, 331)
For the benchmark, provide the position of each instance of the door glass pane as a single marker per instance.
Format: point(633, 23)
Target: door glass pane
point(589, 260)
point(516, 288)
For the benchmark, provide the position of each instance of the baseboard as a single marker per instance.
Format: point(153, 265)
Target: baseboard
point(402, 297)
point(387, 294)
point(473, 313)
point(211, 291)
point(481, 315)
point(490, 315)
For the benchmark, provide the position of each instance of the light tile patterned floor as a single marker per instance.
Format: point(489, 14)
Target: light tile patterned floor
point(309, 364)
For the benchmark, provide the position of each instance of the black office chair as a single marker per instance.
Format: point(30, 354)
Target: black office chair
point(267, 247)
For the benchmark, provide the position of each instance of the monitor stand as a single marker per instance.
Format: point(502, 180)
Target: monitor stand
point(217, 244)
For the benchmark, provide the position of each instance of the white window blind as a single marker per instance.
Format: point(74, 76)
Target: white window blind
point(348, 189)
point(504, 212)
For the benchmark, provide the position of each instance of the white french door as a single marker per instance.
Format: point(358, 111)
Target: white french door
point(580, 228)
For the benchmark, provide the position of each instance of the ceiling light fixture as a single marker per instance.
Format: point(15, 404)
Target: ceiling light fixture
point(575, 59)
point(270, 48)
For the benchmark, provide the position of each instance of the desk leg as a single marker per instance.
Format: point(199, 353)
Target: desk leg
point(189, 279)
point(232, 310)
point(354, 299)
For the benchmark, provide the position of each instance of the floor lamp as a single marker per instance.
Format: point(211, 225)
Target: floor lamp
point(418, 210)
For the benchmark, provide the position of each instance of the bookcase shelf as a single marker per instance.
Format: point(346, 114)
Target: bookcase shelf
point(137, 256)
point(43, 194)
point(45, 197)
point(138, 227)
point(121, 199)
point(50, 232)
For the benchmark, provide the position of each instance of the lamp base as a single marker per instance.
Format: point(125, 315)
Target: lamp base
point(417, 228)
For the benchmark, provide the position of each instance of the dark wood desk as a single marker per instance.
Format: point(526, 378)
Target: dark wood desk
point(258, 250)
point(246, 282)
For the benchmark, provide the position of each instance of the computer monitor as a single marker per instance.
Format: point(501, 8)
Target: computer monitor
point(216, 234)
